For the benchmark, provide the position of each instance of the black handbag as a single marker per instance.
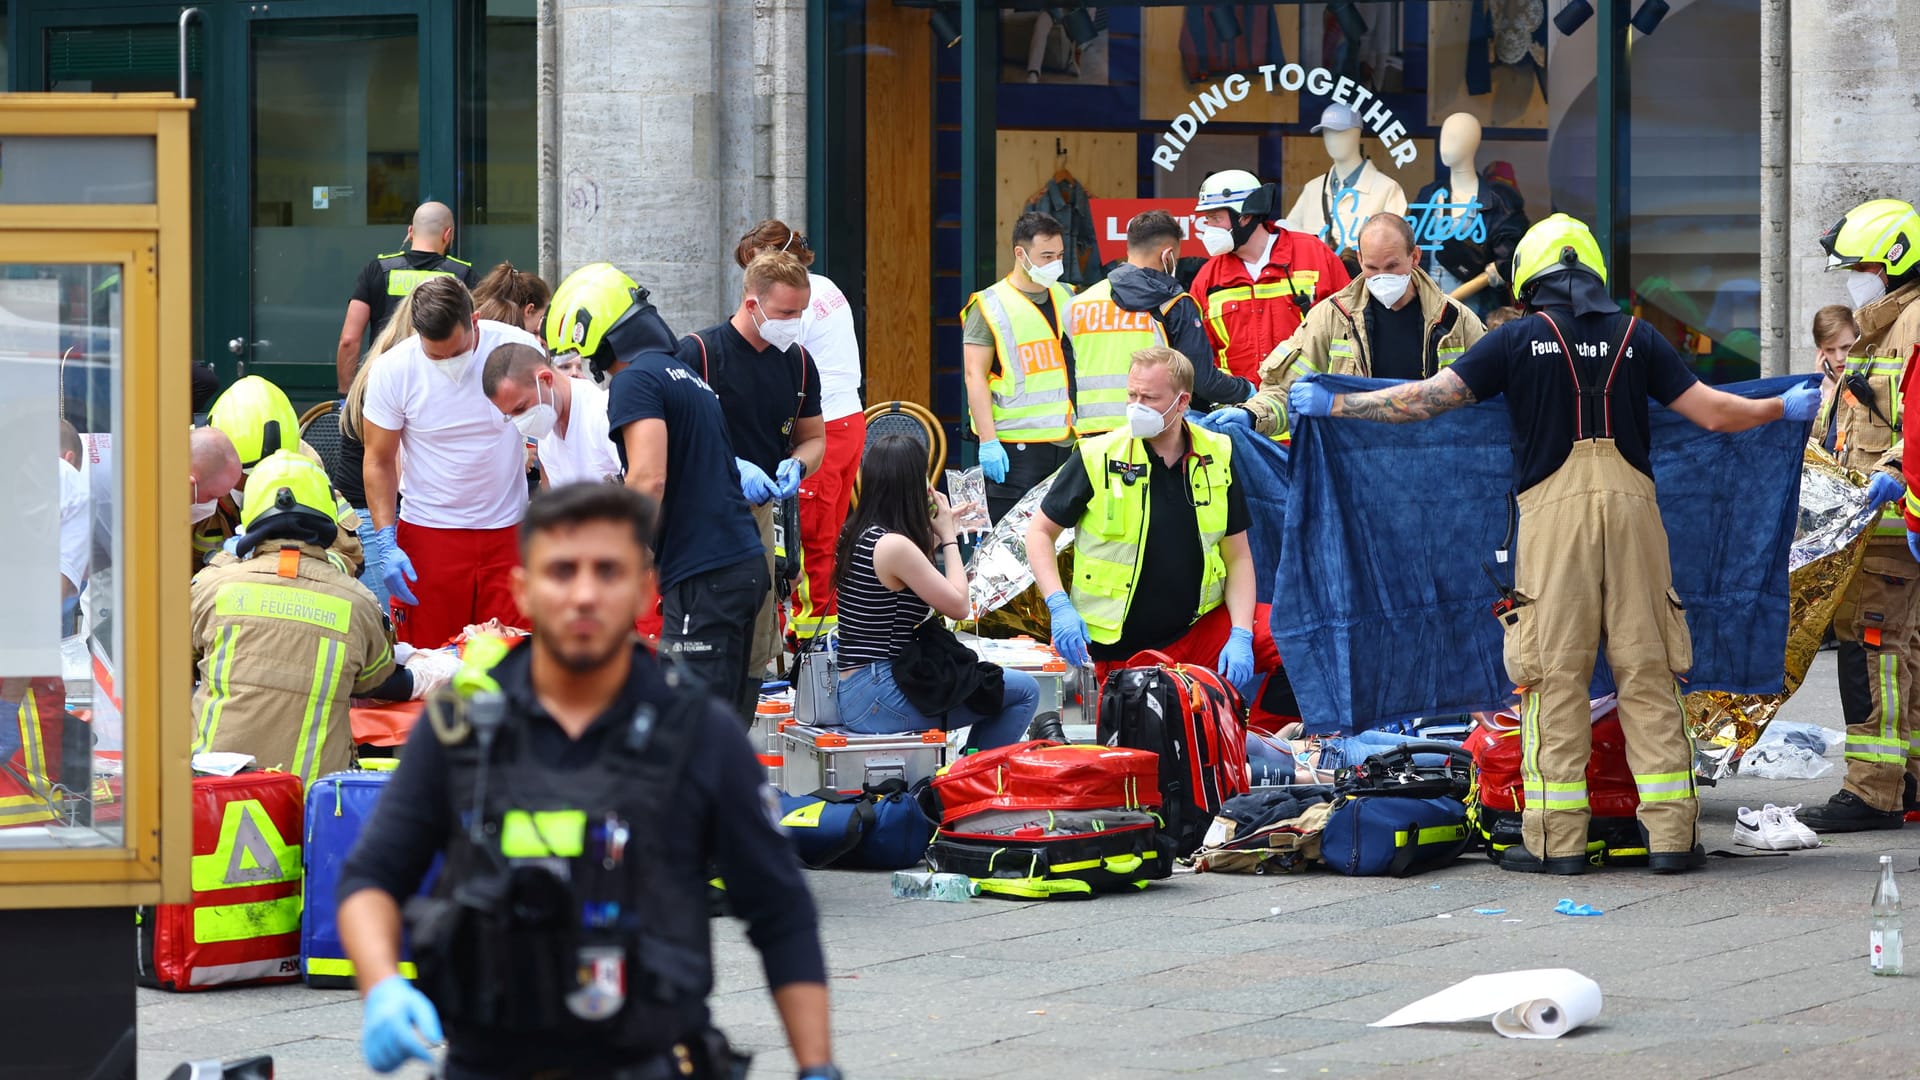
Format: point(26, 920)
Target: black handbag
point(937, 674)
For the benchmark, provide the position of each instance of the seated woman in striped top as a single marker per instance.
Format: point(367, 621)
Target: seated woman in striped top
point(887, 584)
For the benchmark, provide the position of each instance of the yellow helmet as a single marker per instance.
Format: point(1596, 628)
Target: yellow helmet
point(286, 482)
point(1883, 231)
point(604, 315)
point(1558, 242)
point(259, 419)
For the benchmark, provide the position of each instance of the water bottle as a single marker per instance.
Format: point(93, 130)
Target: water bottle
point(1883, 941)
point(911, 885)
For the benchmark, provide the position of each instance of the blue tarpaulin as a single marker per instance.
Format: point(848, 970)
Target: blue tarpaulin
point(1373, 537)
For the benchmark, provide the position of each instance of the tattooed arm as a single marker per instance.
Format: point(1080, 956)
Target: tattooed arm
point(1407, 402)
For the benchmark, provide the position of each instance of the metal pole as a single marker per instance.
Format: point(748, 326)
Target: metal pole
point(187, 15)
point(1612, 115)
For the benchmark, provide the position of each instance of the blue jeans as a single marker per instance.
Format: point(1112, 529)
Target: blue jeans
point(871, 703)
point(373, 577)
point(1338, 753)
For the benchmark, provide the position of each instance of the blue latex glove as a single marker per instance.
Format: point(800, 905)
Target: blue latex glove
point(397, 570)
point(1800, 404)
point(231, 545)
point(754, 483)
point(397, 1023)
point(1913, 543)
point(1225, 417)
point(1883, 489)
point(1070, 630)
point(789, 477)
point(1309, 399)
point(993, 461)
point(1236, 660)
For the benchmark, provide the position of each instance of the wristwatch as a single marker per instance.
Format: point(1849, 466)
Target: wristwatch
point(821, 1072)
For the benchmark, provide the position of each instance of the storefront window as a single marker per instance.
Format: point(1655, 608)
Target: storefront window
point(61, 738)
point(499, 172)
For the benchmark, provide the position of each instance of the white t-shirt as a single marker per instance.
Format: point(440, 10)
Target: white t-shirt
point(76, 526)
point(826, 332)
point(465, 464)
point(1254, 266)
point(585, 453)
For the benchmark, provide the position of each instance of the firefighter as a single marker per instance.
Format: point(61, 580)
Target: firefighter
point(1263, 277)
point(1392, 322)
point(1878, 620)
point(257, 417)
point(282, 636)
point(1593, 569)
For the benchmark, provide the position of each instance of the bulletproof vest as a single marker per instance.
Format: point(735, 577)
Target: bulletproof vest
point(556, 912)
point(1595, 365)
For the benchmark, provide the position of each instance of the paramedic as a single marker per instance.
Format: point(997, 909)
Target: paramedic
point(282, 637)
point(1158, 493)
point(617, 790)
point(445, 524)
point(1262, 278)
point(667, 427)
point(1392, 322)
point(1593, 565)
point(1878, 621)
point(566, 418)
point(1018, 366)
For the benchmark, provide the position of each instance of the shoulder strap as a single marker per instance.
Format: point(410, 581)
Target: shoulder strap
point(800, 399)
point(704, 373)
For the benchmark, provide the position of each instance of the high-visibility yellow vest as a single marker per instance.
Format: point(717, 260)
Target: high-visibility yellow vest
point(1110, 538)
point(1030, 403)
point(403, 278)
point(1105, 336)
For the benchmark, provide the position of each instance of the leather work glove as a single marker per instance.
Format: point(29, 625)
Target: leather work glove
point(789, 477)
point(397, 1023)
point(397, 569)
point(1800, 404)
point(754, 483)
point(993, 461)
point(1236, 660)
point(1225, 417)
point(1069, 630)
point(1883, 489)
point(1310, 399)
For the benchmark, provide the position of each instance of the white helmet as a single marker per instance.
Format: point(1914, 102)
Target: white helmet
point(1228, 189)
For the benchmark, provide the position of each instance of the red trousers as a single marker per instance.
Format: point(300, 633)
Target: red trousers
point(465, 577)
point(1201, 647)
point(824, 498)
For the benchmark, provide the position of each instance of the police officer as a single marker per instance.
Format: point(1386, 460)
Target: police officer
point(1878, 620)
point(283, 637)
point(580, 791)
point(257, 418)
point(387, 278)
point(1391, 322)
point(1593, 565)
point(1018, 364)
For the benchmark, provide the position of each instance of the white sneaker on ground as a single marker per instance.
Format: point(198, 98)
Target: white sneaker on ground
point(1807, 837)
point(1763, 830)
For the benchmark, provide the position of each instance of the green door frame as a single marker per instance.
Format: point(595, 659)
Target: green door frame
point(224, 123)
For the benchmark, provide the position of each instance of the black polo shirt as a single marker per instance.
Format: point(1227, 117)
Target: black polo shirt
point(720, 821)
point(1396, 340)
point(763, 392)
point(371, 288)
point(1163, 608)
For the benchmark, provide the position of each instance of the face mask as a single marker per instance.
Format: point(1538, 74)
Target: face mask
point(537, 422)
point(204, 510)
point(1045, 275)
point(779, 333)
point(454, 367)
point(1864, 287)
point(1389, 288)
point(1143, 422)
point(1218, 241)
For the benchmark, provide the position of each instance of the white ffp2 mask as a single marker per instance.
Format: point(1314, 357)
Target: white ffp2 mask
point(1864, 288)
point(1218, 241)
point(1389, 288)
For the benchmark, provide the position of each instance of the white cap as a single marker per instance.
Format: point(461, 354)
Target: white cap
point(1337, 117)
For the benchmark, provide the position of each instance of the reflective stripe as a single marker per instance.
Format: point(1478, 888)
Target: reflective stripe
point(242, 922)
point(1438, 834)
point(543, 834)
point(219, 682)
point(250, 852)
point(402, 282)
point(274, 967)
point(239, 598)
point(1890, 711)
point(1030, 392)
point(1551, 796)
point(321, 965)
point(319, 712)
point(1664, 787)
point(1875, 749)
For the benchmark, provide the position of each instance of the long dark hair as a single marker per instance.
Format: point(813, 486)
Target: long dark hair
point(893, 495)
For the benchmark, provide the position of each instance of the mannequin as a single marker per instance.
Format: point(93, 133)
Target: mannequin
point(1459, 152)
point(1336, 203)
point(1479, 224)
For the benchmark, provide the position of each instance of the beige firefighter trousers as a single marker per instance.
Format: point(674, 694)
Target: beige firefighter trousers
point(1881, 611)
point(1592, 574)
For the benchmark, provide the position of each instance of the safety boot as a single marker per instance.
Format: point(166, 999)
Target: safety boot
point(1521, 861)
point(1677, 862)
point(1047, 726)
point(1847, 812)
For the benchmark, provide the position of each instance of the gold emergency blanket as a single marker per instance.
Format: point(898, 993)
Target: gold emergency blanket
point(1828, 545)
point(1001, 590)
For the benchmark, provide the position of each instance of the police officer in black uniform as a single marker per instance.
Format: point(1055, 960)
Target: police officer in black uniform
point(387, 278)
point(580, 792)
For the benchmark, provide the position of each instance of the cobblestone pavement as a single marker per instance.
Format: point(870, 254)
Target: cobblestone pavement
point(1753, 968)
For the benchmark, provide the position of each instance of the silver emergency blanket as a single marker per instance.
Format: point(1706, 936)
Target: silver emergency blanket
point(1000, 574)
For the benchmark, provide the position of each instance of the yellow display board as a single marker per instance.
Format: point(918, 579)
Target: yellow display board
point(95, 339)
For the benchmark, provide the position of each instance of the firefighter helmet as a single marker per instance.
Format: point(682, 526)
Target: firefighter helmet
point(1226, 190)
point(1882, 231)
point(259, 419)
point(1556, 243)
point(286, 482)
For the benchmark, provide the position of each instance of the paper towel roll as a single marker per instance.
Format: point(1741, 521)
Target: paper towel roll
point(1543, 1003)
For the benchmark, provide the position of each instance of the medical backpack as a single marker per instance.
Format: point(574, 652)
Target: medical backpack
point(1191, 718)
point(243, 924)
point(1045, 776)
point(1053, 854)
point(338, 806)
point(1496, 801)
